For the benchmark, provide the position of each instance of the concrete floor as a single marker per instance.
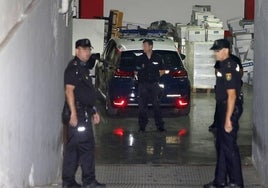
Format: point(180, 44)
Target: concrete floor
point(195, 147)
point(157, 159)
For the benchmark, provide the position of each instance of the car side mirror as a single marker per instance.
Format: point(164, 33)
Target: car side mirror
point(92, 60)
point(95, 56)
point(182, 56)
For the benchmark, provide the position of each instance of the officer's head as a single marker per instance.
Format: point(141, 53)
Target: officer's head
point(148, 45)
point(221, 49)
point(83, 49)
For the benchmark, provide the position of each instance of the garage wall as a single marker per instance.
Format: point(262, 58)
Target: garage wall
point(174, 11)
point(32, 62)
point(11, 13)
point(260, 128)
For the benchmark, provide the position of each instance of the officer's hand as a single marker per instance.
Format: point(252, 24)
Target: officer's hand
point(73, 120)
point(228, 126)
point(96, 119)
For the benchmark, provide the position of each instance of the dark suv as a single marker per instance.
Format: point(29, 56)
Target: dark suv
point(115, 75)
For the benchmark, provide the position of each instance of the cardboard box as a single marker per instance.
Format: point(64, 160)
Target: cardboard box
point(243, 43)
point(181, 30)
point(202, 15)
point(204, 81)
point(200, 64)
point(196, 34)
point(213, 19)
point(214, 34)
point(249, 30)
point(243, 36)
point(214, 24)
point(234, 24)
point(201, 8)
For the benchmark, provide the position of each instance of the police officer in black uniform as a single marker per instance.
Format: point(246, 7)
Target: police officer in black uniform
point(80, 97)
point(228, 172)
point(149, 69)
point(213, 126)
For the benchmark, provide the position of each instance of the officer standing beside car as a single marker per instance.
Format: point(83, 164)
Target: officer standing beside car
point(81, 97)
point(213, 126)
point(149, 68)
point(228, 87)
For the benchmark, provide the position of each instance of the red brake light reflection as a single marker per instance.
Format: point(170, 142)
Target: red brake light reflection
point(182, 132)
point(120, 102)
point(118, 132)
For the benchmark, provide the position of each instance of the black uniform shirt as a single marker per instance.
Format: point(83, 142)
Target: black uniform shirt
point(227, 77)
point(148, 69)
point(77, 74)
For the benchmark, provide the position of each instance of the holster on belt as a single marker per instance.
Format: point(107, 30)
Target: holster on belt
point(238, 110)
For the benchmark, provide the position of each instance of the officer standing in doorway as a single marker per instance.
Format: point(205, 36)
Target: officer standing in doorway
point(81, 97)
point(228, 172)
point(149, 69)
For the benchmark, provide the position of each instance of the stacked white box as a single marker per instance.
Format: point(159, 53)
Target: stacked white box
point(199, 17)
point(181, 30)
point(213, 34)
point(200, 13)
point(249, 28)
point(213, 19)
point(200, 64)
point(214, 24)
point(243, 43)
point(234, 25)
point(243, 36)
point(201, 8)
point(196, 34)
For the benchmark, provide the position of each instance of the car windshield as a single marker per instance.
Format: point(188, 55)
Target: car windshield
point(170, 58)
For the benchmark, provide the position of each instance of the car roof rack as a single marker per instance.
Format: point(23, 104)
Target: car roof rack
point(143, 32)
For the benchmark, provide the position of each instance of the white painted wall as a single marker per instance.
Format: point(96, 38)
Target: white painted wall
point(91, 29)
point(174, 11)
point(11, 12)
point(260, 128)
point(32, 64)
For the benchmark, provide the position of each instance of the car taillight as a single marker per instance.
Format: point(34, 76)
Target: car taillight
point(179, 74)
point(181, 102)
point(119, 132)
point(120, 102)
point(122, 73)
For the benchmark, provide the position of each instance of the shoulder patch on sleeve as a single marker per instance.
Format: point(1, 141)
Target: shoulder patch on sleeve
point(237, 68)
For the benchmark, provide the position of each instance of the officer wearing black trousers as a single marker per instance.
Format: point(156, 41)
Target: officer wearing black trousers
point(149, 69)
point(213, 126)
point(81, 97)
point(228, 172)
